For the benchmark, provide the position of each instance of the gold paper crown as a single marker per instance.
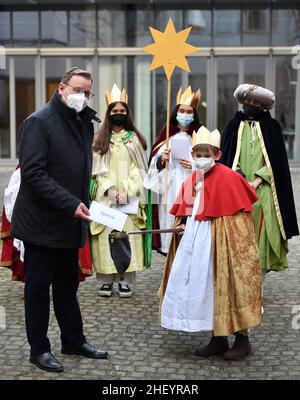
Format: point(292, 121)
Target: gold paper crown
point(116, 95)
point(204, 136)
point(188, 97)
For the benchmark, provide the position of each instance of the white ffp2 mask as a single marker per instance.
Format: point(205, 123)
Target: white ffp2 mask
point(204, 163)
point(77, 101)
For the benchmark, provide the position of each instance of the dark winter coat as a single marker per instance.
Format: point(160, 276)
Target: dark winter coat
point(55, 162)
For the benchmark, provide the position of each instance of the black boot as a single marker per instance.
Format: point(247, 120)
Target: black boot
point(240, 349)
point(218, 345)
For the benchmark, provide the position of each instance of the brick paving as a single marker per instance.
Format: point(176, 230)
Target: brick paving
point(139, 349)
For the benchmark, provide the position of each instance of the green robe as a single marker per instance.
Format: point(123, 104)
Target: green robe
point(273, 248)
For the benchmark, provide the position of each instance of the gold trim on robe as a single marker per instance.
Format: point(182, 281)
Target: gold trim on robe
point(273, 187)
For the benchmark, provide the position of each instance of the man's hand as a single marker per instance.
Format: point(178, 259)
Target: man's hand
point(82, 212)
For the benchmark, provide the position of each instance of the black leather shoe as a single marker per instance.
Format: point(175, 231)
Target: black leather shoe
point(85, 350)
point(218, 345)
point(47, 362)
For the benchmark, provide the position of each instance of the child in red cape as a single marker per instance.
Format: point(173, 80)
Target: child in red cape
point(213, 282)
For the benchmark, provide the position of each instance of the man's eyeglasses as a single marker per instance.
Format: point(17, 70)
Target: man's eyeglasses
point(89, 95)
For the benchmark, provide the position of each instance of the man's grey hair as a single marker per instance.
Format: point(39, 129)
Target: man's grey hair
point(75, 71)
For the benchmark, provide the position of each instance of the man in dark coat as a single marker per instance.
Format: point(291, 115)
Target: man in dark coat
point(252, 143)
point(50, 215)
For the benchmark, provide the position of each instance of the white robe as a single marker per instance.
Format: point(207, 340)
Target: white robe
point(157, 182)
point(10, 196)
point(189, 298)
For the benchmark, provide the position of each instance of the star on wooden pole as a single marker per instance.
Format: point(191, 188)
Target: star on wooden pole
point(169, 50)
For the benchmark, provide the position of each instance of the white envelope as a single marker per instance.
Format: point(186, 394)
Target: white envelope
point(130, 208)
point(107, 216)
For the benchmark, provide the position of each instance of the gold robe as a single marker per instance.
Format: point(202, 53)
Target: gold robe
point(236, 271)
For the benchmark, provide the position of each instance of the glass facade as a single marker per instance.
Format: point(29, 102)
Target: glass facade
point(54, 28)
point(5, 27)
point(25, 28)
point(285, 110)
point(4, 115)
point(227, 28)
point(286, 27)
point(238, 44)
point(24, 89)
point(127, 25)
point(82, 28)
point(227, 82)
point(256, 27)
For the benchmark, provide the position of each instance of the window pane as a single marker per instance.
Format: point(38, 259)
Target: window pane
point(286, 27)
point(285, 94)
point(25, 28)
point(4, 28)
point(227, 83)
point(111, 70)
point(55, 68)
point(256, 27)
point(254, 70)
point(4, 114)
point(162, 18)
point(145, 19)
point(198, 79)
point(25, 89)
point(83, 28)
point(200, 21)
point(142, 90)
point(54, 28)
point(161, 85)
point(227, 26)
point(111, 27)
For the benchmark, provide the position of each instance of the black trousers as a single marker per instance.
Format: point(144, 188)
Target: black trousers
point(44, 267)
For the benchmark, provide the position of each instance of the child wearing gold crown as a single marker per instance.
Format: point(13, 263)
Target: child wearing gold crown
point(184, 120)
point(212, 278)
point(119, 165)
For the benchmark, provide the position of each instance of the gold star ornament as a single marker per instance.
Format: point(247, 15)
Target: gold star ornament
point(170, 49)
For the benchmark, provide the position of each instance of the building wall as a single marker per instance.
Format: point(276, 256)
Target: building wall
point(237, 45)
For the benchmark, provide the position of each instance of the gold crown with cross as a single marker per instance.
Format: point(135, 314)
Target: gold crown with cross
point(188, 97)
point(204, 136)
point(116, 95)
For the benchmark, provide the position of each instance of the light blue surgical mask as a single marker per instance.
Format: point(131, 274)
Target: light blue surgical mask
point(185, 119)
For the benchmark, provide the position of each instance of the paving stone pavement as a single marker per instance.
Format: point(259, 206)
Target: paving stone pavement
point(139, 349)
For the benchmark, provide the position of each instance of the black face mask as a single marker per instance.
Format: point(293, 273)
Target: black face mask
point(118, 119)
point(251, 111)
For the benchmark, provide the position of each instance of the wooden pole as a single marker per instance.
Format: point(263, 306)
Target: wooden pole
point(145, 232)
point(167, 144)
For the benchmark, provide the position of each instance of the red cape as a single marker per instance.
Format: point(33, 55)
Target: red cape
point(225, 193)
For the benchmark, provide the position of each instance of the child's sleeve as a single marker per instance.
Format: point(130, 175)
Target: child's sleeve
point(178, 201)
